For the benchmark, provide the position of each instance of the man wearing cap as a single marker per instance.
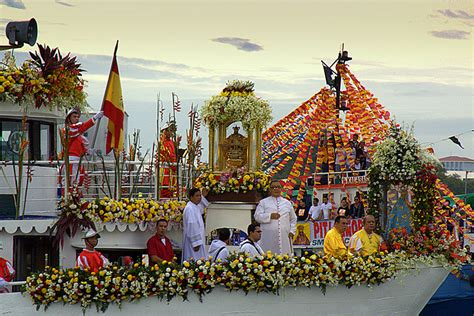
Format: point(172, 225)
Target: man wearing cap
point(77, 141)
point(90, 258)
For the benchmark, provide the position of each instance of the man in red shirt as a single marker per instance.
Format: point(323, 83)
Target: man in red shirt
point(159, 246)
point(7, 273)
point(90, 258)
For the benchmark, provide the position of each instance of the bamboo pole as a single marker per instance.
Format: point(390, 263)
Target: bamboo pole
point(176, 148)
point(158, 149)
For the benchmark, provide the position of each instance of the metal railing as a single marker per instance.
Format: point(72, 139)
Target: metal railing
point(340, 177)
point(44, 185)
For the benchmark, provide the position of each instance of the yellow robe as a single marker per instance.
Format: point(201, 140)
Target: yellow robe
point(364, 244)
point(334, 244)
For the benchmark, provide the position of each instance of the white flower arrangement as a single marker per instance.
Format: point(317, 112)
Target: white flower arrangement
point(397, 158)
point(237, 102)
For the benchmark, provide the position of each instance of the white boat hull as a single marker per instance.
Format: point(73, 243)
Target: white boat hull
point(406, 295)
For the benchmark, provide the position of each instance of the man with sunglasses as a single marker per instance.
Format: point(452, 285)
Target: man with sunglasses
point(278, 221)
point(250, 245)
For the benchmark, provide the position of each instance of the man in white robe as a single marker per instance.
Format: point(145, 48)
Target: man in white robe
point(278, 221)
point(194, 235)
point(250, 245)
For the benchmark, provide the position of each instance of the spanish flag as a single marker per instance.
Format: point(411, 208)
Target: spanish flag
point(113, 108)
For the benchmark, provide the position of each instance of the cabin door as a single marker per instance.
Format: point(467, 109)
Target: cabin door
point(33, 253)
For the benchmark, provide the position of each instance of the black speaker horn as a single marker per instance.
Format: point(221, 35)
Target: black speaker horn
point(21, 32)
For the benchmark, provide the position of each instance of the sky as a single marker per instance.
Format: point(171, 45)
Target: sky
point(415, 56)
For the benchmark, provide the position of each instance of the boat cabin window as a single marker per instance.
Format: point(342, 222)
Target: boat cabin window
point(40, 134)
point(45, 144)
point(10, 133)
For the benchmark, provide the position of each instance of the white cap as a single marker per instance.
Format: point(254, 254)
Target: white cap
point(90, 233)
point(73, 110)
point(168, 125)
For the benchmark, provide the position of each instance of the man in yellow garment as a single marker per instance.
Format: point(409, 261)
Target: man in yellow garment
point(334, 241)
point(365, 242)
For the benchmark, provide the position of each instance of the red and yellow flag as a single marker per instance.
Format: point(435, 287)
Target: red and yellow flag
point(113, 108)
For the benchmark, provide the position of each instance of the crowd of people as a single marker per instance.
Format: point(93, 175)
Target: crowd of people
point(353, 162)
point(328, 210)
point(273, 230)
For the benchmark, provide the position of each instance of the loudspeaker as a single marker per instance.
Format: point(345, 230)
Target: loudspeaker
point(21, 32)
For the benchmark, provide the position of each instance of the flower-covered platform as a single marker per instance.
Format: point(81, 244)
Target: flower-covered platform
point(405, 295)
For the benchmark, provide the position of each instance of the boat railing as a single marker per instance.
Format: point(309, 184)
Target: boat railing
point(358, 177)
point(15, 283)
point(43, 182)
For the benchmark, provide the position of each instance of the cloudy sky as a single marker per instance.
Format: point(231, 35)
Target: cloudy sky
point(415, 56)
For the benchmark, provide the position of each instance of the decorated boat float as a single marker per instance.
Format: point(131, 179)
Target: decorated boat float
point(311, 150)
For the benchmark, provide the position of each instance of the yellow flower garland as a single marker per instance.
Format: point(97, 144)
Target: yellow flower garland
point(135, 210)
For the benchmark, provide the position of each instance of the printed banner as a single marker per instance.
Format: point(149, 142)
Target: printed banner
point(469, 241)
point(311, 234)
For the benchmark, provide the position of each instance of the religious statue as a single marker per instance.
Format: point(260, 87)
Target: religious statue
point(168, 160)
point(235, 150)
point(301, 238)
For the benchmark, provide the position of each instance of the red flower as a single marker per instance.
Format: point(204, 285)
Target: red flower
point(201, 275)
point(396, 246)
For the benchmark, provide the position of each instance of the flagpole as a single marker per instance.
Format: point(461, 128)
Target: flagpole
point(94, 138)
point(158, 149)
point(176, 145)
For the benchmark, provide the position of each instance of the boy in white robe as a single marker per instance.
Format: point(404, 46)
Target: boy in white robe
point(194, 235)
point(278, 221)
point(218, 250)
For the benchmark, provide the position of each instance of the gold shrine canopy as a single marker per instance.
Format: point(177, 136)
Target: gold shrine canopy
point(236, 103)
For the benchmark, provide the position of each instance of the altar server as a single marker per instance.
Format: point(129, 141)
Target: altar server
point(194, 236)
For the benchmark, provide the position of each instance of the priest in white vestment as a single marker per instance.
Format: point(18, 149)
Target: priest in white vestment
point(278, 221)
point(194, 234)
